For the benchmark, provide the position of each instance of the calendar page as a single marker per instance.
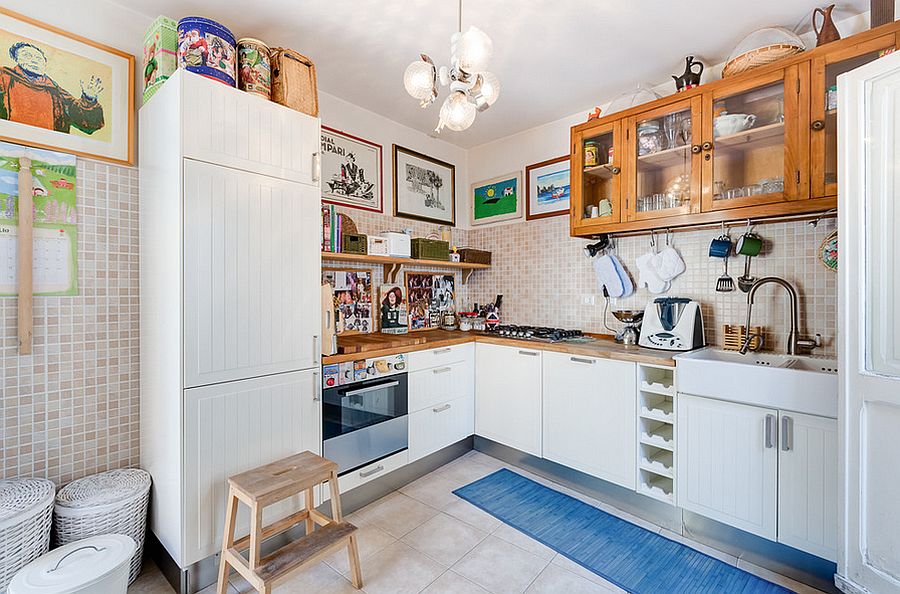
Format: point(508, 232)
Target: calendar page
point(55, 269)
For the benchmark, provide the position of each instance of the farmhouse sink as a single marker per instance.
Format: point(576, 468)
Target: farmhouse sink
point(786, 382)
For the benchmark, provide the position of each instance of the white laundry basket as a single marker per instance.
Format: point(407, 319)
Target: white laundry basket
point(26, 512)
point(113, 502)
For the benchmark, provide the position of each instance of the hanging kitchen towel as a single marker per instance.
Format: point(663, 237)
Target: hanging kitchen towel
point(668, 264)
point(607, 276)
point(647, 274)
point(627, 285)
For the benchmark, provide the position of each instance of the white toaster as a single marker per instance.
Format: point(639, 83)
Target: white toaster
point(399, 245)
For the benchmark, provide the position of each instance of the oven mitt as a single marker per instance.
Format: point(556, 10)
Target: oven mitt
point(627, 285)
point(647, 274)
point(607, 276)
point(668, 264)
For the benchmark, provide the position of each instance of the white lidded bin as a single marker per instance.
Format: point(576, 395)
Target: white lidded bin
point(96, 565)
point(113, 502)
point(26, 512)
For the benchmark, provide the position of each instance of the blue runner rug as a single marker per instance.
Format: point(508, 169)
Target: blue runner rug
point(633, 558)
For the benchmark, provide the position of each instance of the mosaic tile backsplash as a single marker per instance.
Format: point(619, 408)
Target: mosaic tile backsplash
point(71, 408)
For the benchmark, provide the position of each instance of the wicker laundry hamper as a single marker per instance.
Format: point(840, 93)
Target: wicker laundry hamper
point(113, 502)
point(26, 513)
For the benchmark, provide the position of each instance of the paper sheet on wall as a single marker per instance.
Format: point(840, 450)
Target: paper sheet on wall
point(55, 268)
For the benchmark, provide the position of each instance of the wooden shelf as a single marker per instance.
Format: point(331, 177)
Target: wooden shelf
point(679, 155)
point(602, 171)
point(753, 138)
point(392, 265)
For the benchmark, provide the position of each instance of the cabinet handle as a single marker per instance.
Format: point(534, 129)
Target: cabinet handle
point(695, 149)
point(317, 385)
point(817, 125)
point(707, 146)
point(614, 170)
point(442, 370)
point(367, 473)
point(441, 351)
point(581, 360)
point(787, 433)
point(441, 408)
point(316, 167)
point(770, 431)
point(317, 353)
point(529, 353)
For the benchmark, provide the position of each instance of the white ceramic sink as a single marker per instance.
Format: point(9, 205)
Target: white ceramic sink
point(786, 382)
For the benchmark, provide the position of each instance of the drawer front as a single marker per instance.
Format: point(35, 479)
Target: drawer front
point(440, 384)
point(370, 472)
point(440, 425)
point(419, 360)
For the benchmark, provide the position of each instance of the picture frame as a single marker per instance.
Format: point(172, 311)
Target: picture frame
point(353, 295)
point(496, 199)
point(421, 187)
point(352, 171)
point(548, 188)
point(88, 110)
point(429, 296)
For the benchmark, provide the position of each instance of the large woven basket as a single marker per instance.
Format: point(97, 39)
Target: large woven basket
point(759, 57)
point(26, 514)
point(113, 502)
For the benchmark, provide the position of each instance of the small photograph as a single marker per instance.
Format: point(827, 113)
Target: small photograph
point(393, 309)
point(352, 291)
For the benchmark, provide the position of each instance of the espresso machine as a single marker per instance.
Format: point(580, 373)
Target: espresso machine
point(632, 318)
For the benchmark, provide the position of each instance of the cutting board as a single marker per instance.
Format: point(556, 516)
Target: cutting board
point(359, 343)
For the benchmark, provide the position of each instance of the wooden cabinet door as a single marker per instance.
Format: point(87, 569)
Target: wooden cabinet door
point(589, 416)
point(596, 188)
point(727, 466)
point(808, 484)
point(754, 150)
point(251, 274)
point(508, 396)
point(662, 161)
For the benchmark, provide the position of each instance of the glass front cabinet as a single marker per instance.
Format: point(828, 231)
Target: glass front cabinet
point(595, 178)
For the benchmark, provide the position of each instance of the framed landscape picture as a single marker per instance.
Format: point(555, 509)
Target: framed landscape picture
point(351, 171)
point(547, 188)
point(430, 294)
point(497, 199)
point(424, 187)
point(64, 92)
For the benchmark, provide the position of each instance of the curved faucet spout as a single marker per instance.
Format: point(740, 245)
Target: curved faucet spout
point(792, 293)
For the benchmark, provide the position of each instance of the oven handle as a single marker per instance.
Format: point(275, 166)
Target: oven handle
point(372, 388)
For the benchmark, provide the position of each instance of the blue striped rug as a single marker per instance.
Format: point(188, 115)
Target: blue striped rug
point(633, 558)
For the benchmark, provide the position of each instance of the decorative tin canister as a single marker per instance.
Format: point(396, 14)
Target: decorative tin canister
point(254, 73)
point(160, 47)
point(207, 48)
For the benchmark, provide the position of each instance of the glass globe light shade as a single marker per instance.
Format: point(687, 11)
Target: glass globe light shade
point(457, 113)
point(490, 87)
point(473, 50)
point(419, 79)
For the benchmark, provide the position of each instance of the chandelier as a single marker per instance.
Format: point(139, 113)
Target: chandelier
point(472, 87)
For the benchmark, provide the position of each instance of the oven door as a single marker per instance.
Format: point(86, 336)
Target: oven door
point(365, 421)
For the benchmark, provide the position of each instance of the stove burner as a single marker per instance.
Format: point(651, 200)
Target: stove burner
point(537, 333)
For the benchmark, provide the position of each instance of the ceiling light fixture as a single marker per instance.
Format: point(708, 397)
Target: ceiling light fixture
point(472, 88)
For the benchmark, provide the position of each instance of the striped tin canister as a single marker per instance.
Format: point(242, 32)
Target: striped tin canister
point(254, 71)
point(207, 48)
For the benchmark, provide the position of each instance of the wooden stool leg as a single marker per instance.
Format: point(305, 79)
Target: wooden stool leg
point(310, 505)
point(227, 542)
point(335, 497)
point(355, 570)
point(255, 534)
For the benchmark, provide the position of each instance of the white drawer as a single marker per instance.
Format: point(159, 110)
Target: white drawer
point(440, 384)
point(367, 473)
point(438, 426)
point(419, 360)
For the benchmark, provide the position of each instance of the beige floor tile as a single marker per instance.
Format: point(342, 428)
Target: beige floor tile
point(435, 489)
point(697, 546)
point(777, 578)
point(555, 580)
point(572, 567)
point(444, 538)
point(399, 569)
point(397, 514)
point(321, 579)
point(150, 581)
point(453, 583)
point(500, 567)
point(523, 541)
point(473, 516)
point(467, 470)
point(371, 539)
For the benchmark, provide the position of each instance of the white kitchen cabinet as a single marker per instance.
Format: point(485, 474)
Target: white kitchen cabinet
point(251, 254)
point(431, 358)
point(440, 425)
point(440, 384)
point(589, 416)
point(508, 396)
point(808, 484)
point(728, 463)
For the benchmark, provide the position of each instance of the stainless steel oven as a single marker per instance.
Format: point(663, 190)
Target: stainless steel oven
point(366, 420)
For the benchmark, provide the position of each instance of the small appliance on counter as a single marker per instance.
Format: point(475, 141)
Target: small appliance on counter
point(399, 245)
point(632, 318)
point(672, 324)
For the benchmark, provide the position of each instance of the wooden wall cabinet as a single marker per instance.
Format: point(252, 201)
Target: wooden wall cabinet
point(759, 145)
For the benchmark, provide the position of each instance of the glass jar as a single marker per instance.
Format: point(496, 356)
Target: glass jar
point(649, 138)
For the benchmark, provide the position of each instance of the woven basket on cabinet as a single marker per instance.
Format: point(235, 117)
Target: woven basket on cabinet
point(113, 502)
point(26, 513)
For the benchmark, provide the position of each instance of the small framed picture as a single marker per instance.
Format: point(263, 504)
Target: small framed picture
point(424, 188)
point(351, 171)
point(497, 199)
point(547, 188)
point(430, 294)
point(352, 294)
point(392, 302)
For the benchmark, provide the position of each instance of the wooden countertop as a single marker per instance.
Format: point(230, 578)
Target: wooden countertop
point(365, 346)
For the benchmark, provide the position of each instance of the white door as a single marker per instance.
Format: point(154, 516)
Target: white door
point(589, 416)
point(251, 274)
point(508, 396)
point(236, 426)
point(869, 325)
point(808, 483)
point(727, 466)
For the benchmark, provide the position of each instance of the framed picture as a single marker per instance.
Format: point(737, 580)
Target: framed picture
point(497, 199)
point(351, 171)
point(352, 293)
point(429, 295)
point(424, 188)
point(392, 301)
point(547, 188)
point(64, 92)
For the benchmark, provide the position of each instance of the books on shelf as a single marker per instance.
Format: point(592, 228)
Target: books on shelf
point(332, 232)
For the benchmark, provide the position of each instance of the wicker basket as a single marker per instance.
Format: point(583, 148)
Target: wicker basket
point(113, 502)
point(430, 249)
point(26, 514)
point(759, 57)
point(474, 256)
point(294, 81)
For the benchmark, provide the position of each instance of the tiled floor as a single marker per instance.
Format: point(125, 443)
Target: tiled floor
point(425, 539)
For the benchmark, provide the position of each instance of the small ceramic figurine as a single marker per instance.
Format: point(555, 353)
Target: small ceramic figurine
point(827, 32)
point(594, 114)
point(690, 78)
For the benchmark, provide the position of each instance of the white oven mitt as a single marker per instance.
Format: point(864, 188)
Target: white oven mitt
point(647, 274)
point(668, 264)
point(608, 276)
point(627, 285)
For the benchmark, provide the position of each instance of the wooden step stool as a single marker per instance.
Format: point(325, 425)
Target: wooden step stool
point(270, 484)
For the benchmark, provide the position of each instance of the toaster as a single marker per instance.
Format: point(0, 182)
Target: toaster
point(399, 245)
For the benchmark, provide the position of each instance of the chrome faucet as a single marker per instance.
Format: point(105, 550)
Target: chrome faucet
point(795, 343)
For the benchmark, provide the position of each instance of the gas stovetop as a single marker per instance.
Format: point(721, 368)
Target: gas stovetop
point(538, 333)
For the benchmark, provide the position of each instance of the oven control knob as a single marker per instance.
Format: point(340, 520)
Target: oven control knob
point(400, 366)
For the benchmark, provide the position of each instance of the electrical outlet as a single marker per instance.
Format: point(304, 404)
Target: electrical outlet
point(588, 299)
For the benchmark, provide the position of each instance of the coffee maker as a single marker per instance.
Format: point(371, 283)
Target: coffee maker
point(672, 324)
point(632, 320)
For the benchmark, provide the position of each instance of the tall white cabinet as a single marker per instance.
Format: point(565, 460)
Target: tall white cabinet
point(230, 276)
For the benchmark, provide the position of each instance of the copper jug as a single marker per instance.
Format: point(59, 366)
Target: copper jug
point(827, 32)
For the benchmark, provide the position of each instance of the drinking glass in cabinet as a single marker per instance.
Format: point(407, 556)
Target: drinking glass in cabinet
point(663, 162)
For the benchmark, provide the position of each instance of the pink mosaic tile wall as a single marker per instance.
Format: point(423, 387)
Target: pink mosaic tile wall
point(71, 408)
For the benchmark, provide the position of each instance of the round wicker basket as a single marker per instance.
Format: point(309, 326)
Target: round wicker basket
point(26, 514)
point(759, 57)
point(113, 502)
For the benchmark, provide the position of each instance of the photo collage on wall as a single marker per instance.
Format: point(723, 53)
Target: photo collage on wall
point(352, 293)
point(430, 295)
